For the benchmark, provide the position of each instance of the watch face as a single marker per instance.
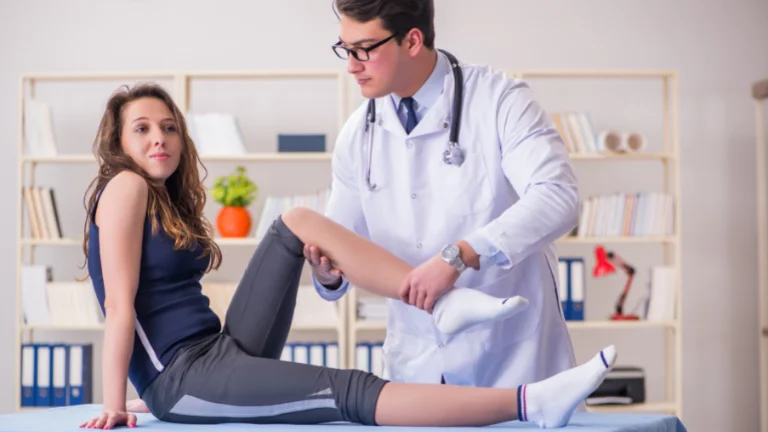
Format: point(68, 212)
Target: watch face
point(451, 252)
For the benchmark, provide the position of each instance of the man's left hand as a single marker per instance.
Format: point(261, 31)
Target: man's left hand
point(427, 283)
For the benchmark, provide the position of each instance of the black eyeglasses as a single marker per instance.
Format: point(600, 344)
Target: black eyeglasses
point(359, 53)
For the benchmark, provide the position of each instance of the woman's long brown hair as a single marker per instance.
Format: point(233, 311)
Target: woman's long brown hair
point(179, 202)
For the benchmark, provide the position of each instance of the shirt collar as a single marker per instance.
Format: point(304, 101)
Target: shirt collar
point(427, 95)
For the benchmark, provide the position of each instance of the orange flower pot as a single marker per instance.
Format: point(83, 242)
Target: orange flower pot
point(233, 222)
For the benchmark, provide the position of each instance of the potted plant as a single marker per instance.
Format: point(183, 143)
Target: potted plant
point(234, 192)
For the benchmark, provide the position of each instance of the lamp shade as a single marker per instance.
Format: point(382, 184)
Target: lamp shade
point(602, 265)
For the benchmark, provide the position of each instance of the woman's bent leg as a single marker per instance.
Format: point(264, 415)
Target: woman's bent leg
point(261, 310)
point(372, 268)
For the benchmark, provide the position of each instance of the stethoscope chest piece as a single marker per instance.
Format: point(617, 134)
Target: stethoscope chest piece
point(454, 155)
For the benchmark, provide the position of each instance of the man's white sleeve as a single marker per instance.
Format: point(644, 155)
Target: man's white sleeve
point(344, 206)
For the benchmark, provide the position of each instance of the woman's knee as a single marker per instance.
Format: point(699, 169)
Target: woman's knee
point(298, 216)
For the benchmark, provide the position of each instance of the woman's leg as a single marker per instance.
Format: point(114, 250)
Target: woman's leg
point(260, 312)
point(219, 383)
point(548, 403)
point(372, 268)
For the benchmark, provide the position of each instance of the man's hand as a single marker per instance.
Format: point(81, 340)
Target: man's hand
point(427, 283)
point(322, 269)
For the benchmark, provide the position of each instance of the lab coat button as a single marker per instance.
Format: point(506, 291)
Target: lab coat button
point(413, 196)
point(409, 144)
point(418, 246)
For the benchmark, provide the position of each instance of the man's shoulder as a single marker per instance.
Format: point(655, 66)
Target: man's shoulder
point(491, 81)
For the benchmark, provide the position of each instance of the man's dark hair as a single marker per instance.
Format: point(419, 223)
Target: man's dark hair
point(397, 16)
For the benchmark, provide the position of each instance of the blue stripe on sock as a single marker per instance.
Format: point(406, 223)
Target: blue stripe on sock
point(520, 403)
point(505, 300)
point(602, 356)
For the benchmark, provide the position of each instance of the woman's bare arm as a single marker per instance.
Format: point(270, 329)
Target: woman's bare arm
point(120, 217)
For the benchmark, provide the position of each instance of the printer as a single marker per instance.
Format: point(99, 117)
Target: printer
point(622, 386)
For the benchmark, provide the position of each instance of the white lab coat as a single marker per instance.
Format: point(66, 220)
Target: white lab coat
point(516, 186)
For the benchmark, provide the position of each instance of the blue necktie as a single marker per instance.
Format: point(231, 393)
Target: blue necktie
point(410, 120)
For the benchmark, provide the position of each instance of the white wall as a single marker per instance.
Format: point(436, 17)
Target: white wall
point(713, 44)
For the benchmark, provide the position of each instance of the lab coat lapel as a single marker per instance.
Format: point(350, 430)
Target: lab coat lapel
point(387, 119)
point(438, 117)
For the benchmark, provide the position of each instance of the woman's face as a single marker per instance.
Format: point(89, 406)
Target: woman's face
point(150, 137)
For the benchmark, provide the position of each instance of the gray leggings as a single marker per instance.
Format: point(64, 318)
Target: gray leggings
point(236, 375)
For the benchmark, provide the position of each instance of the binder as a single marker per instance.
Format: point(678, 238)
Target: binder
point(377, 359)
point(317, 354)
point(28, 375)
point(301, 353)
point(577, 279)
point(562, 288)
point(332, 355)
point(59, 376)
point(571, 291)
point(80, 364)
point(363, 357)
point(43, 372)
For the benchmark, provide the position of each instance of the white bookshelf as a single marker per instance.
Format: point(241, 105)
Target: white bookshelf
point(760, 98)
point(669, 159)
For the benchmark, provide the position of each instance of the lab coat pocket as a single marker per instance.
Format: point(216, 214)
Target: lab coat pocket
point(466, 189)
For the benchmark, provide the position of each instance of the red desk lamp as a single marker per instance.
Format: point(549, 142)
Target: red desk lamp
point(606, 264)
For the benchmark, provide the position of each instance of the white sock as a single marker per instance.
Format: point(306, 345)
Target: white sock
point(551, 402)
point(461, 308)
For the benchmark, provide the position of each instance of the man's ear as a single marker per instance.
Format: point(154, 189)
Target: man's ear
point(414, 41)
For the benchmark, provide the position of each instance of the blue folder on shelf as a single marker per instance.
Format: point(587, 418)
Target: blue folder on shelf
point(571, 281)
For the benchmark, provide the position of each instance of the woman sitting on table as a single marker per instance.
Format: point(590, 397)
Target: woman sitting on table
point(147, 246)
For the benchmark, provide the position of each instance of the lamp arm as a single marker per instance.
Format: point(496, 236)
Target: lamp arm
point(630, 271)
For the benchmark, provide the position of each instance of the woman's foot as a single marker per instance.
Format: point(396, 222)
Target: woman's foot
point(461, 308)
point(551, 402)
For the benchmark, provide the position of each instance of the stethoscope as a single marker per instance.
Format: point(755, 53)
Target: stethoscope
point(454, 154)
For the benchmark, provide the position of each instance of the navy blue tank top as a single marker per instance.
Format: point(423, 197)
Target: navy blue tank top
point(171, 310)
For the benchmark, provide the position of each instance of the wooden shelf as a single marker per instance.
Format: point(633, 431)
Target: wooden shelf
point(655, 407)
point(100, 327)
point(593, 73)
point(618, 239)
point(614, 157)
point(326, 156)
point(247, 157)
point(246, 241)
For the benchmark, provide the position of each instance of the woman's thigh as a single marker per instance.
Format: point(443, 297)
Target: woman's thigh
point(224, 384)
point(261, 310)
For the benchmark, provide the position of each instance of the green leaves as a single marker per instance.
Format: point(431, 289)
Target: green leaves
point(235, 190)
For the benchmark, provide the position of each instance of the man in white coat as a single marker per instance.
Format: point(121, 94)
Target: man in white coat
point(487, 221)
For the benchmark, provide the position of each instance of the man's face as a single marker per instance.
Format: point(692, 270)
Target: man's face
point(377, 75)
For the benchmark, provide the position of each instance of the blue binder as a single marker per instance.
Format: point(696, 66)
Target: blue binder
point(28, 375)
point(59, 375)
point(572, 280)
point(44, 359)
point(80, 366)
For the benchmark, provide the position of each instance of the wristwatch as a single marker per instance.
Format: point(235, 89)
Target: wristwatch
point(451, 254)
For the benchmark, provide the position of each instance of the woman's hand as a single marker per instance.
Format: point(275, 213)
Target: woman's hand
point(109, 419)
